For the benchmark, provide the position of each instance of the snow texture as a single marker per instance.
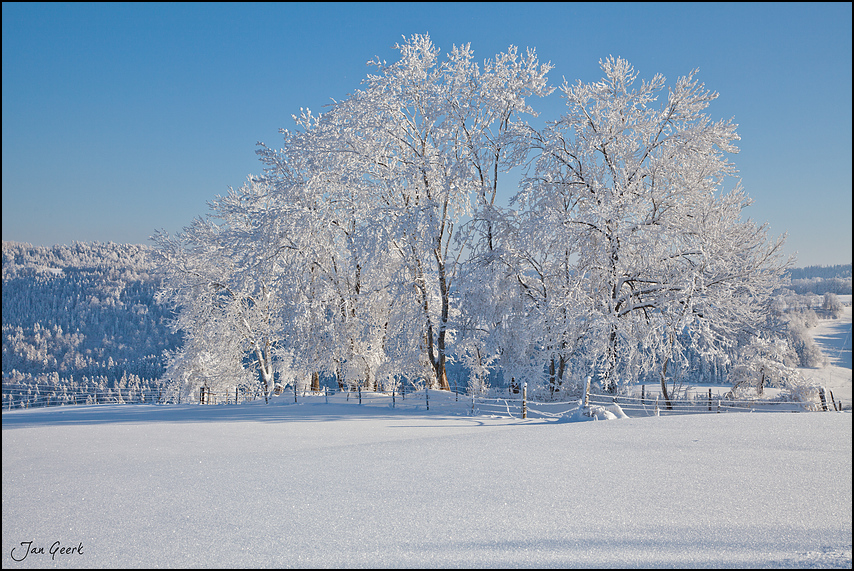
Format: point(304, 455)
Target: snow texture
point(339, 484)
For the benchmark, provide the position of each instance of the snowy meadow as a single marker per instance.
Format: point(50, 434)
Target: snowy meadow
point(338, 484)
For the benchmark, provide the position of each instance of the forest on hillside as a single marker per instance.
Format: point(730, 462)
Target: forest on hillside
point(82, 316)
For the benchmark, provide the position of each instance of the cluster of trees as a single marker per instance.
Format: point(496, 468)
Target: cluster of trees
point(82, 314)
point(373, 250)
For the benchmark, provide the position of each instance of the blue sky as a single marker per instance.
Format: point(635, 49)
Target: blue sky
point(120, 119)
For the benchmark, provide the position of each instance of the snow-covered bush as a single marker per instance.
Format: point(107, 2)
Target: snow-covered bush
point(831, 304)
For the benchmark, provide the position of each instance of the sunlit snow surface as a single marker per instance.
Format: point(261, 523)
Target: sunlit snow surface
point(337, 484)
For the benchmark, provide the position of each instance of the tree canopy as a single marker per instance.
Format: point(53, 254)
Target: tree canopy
point(372, 249)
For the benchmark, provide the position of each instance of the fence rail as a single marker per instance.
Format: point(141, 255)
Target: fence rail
point(27, 396)
point(512, 405)
point(636, 406)
point(650, 405)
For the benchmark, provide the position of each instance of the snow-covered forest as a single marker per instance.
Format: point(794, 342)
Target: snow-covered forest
point(81, 320)
point(821, 279)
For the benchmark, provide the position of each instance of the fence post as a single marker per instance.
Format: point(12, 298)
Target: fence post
point(427, 396)
point(326, 394)
point(525, 399)
point(587, 394)
point(719, 406)
point(710, 399)
point(833, 400)
point(643, 394)
point(823, 401)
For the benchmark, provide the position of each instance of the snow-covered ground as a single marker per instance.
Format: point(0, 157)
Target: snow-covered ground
point(337, 484)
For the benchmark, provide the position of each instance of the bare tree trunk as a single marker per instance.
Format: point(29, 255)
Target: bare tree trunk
point(556, 374)
point(441, 373)
point(339, 376)
point(436, 351)
point(664, 391)
point(266, 367)
point(552, 379)
point(611, 364)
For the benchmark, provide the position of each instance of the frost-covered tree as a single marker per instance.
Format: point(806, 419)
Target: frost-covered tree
point(343, 270)
point(404, 160)
point(831, 304)
point(441, 131)
point(222, 275)
point(632, 190)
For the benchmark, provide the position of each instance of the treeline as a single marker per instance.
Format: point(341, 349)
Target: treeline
point(821, 280)
point(81, 315)
point(26, 390)
point(823, 272)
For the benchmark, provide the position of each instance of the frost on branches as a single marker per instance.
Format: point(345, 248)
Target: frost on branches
point(371, 249)
point(631, 190)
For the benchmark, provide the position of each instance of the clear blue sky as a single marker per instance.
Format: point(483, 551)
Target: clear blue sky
point(120, 119)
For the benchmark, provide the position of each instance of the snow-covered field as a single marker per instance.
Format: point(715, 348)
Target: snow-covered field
point(337, 484)
point(343, 485)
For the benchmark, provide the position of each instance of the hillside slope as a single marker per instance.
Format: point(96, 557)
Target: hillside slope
point(85, 310)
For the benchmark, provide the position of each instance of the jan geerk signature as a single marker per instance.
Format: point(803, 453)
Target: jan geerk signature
point(19, 553)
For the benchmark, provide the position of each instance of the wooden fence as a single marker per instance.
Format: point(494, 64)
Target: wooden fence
point(516, 405)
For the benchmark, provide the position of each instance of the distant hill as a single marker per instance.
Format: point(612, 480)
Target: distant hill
point(821, 279)
point(85, 310)
point(824, 272)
